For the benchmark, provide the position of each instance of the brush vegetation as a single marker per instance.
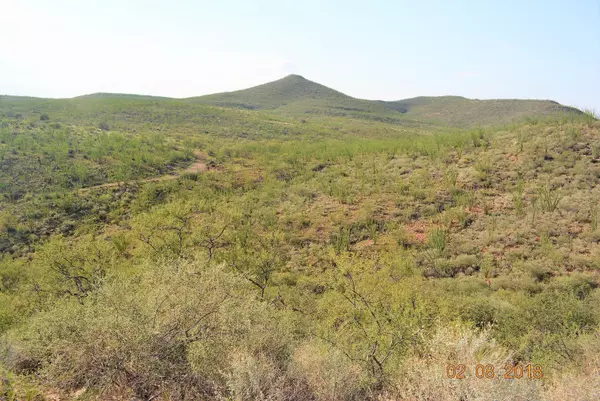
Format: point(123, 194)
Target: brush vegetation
point(314, 256)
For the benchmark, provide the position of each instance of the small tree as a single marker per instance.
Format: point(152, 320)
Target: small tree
point(368, 322)
point(44, 117)
point(254, 259)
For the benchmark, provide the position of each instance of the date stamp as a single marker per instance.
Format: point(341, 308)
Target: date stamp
point(487, 371)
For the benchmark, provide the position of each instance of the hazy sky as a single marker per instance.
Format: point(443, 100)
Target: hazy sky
point(369, 49)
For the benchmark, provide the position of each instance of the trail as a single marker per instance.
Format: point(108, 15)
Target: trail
point(198, 166)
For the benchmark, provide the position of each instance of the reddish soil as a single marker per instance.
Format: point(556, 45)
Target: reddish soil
point(417, 229)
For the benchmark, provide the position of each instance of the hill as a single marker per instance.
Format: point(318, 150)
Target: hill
point(297, 95)
point(100, 95)
point(462, 112)
point(277, 94)
point(170, 250)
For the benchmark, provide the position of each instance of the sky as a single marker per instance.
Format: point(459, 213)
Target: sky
point(388, 50)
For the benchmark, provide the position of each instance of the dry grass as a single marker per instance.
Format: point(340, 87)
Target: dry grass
point(424, 377)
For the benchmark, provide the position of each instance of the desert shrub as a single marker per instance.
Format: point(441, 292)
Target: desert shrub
point(574, 132)
point(575, 386)
point(450, 179)
point(340, 240)
point(516, 283)
point(167, 329)
point(479, 312)
point(438, 267)
point(464, 262)
point(9, 315)
point(548, 198)
point(121, 242)
point(582, 381)
point(402, 238)
point(15, 388)
point(74, 270)
point(553, 320)
point(11, 274)
point(438, 239)
point(476, 138)
point(518, 197)
point(368, 322)
point(539, 272)
point(150, 195)
point(253, 377)
point(464, 199)
point(578, 284)
point(426, 379)
point(328, 373)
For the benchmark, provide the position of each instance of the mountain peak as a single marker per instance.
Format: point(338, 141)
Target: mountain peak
point(295, 77)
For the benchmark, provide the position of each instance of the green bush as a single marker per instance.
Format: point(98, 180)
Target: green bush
point(466, 263)
point(438, 239)
point(548, 198)
point(172, 329)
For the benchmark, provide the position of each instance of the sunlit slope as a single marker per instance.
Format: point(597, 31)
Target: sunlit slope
point(462, 112)
point(292, 96)
point(297, 95)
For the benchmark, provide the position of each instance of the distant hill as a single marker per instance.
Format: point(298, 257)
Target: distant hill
point(462, 112)
point(101, 95)
point(297, 95)
point(277, 94)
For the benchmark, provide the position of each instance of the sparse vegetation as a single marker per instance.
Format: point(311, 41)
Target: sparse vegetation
point(312, 258)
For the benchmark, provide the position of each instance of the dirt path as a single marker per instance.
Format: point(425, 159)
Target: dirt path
point(198, 166)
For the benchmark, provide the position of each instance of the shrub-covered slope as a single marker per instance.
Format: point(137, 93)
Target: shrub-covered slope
point(322, 258)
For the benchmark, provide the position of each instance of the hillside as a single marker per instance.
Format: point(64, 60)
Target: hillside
point(171, 250)
point(277, 94)
point(297, 95)
point(121, 96)
point(462, 112)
